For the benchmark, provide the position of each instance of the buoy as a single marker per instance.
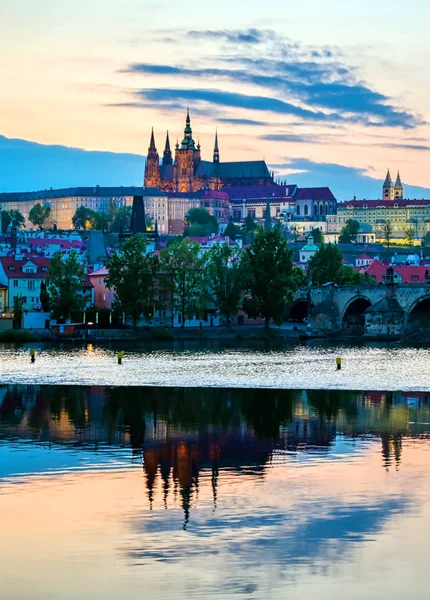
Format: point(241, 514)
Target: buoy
point(339, 363)
point(33, 355)
point(120, 357)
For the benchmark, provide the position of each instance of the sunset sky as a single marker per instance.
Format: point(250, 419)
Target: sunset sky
point(328, 93)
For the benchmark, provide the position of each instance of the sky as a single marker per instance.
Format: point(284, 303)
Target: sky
point(327, 93)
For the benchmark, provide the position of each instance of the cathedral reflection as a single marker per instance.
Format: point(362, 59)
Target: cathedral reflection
point(186, 438)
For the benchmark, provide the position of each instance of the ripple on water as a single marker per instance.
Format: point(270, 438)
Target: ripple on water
point(311, 367)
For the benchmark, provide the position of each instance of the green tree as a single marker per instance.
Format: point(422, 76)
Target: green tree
point(200, 223)
point(231, 230)
point(5, 220)
point(249, 223)
point(410, 236)
point(18, 308)
point(99, 221)
point(225, 279)
point(121, 220)
point(425, 242)
point(44, 297)
point(299, 278)
point(347, 275)
point(317, 235)
point(267, 218)
point(184, 271)
point(65, 281)
point(82, 218)
point(133, 278)
point(17, 217)
point(325, 264)
point(387, 232)
point(39, 214)
point(349, 233)
point(268, 264)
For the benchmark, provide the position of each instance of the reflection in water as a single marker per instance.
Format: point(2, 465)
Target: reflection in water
point(260, 480)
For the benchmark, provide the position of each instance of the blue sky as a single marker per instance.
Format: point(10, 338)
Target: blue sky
point(328, 94)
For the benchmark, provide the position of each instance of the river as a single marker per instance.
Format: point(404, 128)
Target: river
point(232, 473)
point(310, 365)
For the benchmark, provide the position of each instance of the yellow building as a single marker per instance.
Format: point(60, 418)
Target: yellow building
point(403, 215)
point(64, 202)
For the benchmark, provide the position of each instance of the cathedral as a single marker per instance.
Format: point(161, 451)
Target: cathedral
point(187, 172)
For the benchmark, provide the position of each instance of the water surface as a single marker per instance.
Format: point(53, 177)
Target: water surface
point(298, 366)
point(178, 493)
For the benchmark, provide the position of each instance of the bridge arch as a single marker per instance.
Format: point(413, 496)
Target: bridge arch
point(353, 319)
point(418, 315)
point(298, 311)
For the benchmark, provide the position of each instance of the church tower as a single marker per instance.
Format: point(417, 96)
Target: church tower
point(216, 150)
point(167, 154)
point(388, 188)
point(152, 167)
point(187, 159)
point(398, 188)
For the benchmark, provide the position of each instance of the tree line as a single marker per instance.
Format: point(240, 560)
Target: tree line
point(261, 279)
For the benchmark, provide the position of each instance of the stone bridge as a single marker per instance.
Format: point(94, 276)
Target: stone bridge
point(345, 309)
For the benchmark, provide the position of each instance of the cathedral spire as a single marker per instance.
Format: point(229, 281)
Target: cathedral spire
point(152, 142)
point(216, 148)
point(188, 142)
point(398, 188)
point(167, 155)
point(388, 181)
point(388, 188)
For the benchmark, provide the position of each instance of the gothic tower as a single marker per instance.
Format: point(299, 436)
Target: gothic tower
point(398, 188)
point(388, 188)
point(167, 155)
point(216, 149)
point(187, 159)
point(152, 167)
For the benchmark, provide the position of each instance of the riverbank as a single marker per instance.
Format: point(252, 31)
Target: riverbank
point(157, 334)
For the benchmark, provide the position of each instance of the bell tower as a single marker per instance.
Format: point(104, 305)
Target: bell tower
point(388, 188)
point(398, 188)
point(187, 159)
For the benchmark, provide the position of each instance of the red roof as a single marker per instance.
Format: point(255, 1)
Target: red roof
point(215, 194)
point(65, 244)
point(383, 203)
point(364, 257)
point(102, 272)
point(14, 268)
point(409, 274)
point(317, 193)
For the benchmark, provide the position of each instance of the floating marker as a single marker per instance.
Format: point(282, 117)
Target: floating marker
point(33, 355)
point(339, 363)
point(120, 357)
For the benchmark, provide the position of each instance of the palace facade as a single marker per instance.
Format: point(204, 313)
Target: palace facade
point(187, 172)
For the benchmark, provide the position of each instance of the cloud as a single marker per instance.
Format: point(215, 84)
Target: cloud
point(234, 100)
point(245, 36)
point(316, 80)
point(250, 122)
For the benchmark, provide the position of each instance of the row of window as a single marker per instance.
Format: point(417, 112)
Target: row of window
point(31, 284)
point(31, 300)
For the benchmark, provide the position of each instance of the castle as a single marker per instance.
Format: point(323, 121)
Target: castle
point(392, 191)
point(189, 173)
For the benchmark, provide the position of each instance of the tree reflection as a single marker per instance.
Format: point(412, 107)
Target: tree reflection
point(180, 433)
